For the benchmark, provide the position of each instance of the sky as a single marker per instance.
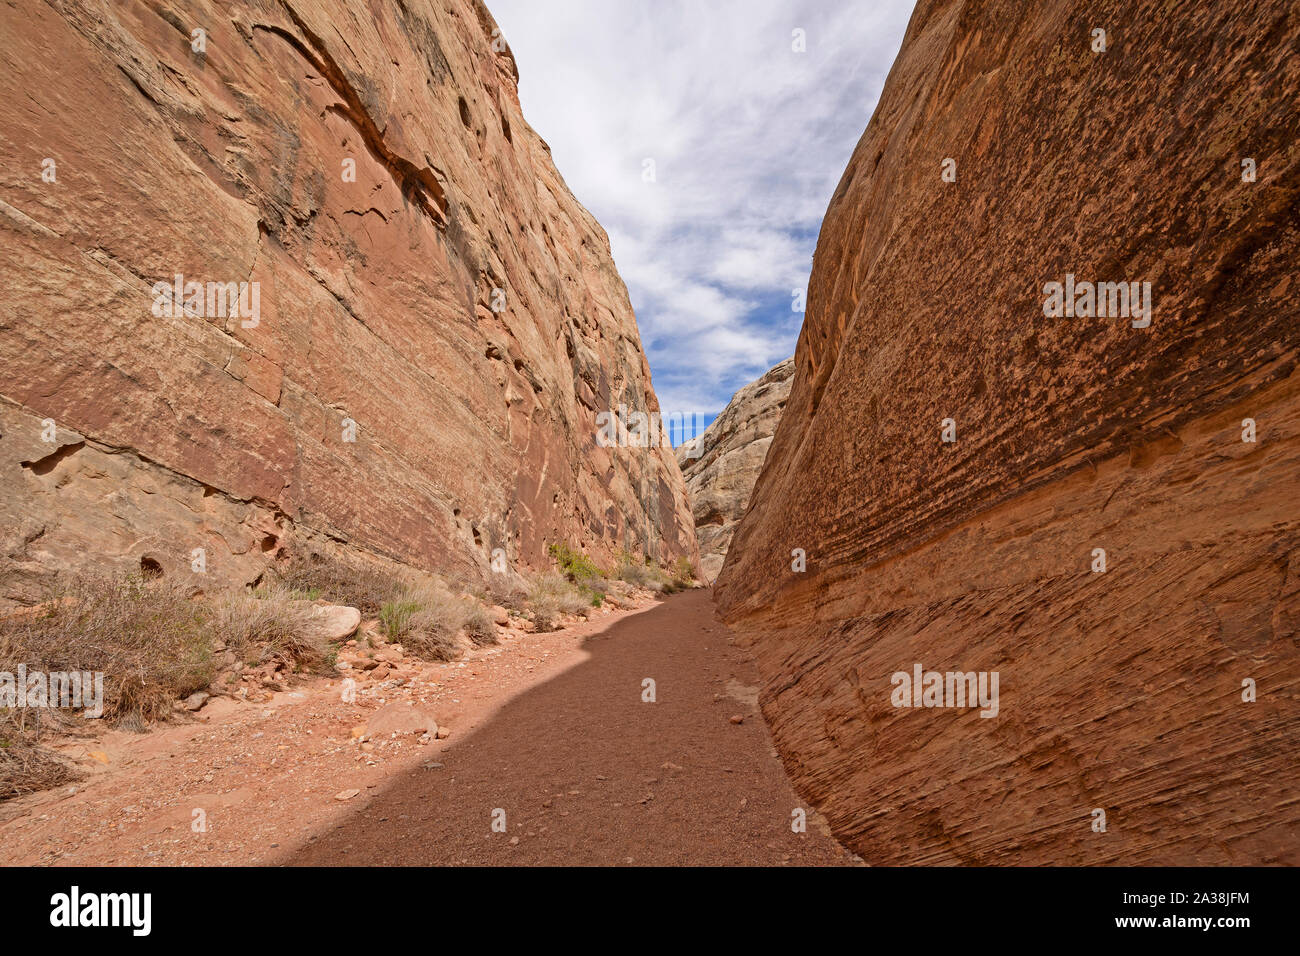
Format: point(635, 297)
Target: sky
point(708, 146)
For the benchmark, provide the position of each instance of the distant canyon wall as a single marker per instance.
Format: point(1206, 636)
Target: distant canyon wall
point(1102, 512)
point(430, 322)
point(722, 463)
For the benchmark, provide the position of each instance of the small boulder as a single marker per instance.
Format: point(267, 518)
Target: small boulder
point(196, 700)
point(399, 718)
point(337, 621)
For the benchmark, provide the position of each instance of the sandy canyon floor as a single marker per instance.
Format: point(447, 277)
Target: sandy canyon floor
point(549, 728)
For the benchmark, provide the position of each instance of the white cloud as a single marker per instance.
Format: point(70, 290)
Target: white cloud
point(748, 138)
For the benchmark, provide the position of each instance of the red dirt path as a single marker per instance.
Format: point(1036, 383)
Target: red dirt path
point(550, 728)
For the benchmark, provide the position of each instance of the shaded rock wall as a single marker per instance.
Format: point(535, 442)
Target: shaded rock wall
point(368, 166)
point(722, 463)
point(1121, 690)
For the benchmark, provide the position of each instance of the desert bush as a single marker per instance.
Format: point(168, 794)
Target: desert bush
point(588, 578)
point(635, 571)
point(426, 620)
point(272, 623)
point(480, 627)
point(618, 594)
point(507, 594)
point(574, 564)
point(150, 640)
point(683, 571)
point(395, 619)
point(552, 596)
point(25, 765)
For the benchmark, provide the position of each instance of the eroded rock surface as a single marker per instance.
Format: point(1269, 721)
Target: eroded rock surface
point(1121, 690)
point(438, 323)
point(722, 463)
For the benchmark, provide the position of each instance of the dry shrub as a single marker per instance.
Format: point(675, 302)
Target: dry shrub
point(26, 766)
point(619, 594)
point(507, 593)
point(356, 584)
point(638, 574)
point(651, 576)
point(683, 572)
point(426, 619)
point(271, 624)
point(551, 597)
point(152, 643)
point(480, 626)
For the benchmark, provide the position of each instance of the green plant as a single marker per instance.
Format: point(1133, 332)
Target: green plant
point(683, 571)
point(428, 619)
point(395, 618)
point(575, 565)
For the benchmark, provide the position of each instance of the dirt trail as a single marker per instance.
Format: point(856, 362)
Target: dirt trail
point(551, 729)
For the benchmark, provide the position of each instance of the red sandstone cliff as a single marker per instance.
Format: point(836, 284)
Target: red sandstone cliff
point(474, 409)
point(722, 463)
point(1120, 690)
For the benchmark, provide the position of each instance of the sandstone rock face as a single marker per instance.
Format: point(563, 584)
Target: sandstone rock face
point(436, 323)
point(722, 463)
point(1120, 691)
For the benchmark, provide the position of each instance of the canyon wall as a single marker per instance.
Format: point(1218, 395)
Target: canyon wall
point(1114, 527)
point(722, 463)
point(437, 321)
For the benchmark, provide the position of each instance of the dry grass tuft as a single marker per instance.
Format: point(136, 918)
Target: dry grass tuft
point(273, 624)
point(26, 766)
point(427, 618)
point(480, 626)
point(506, 593)
point(553, 596)
point(150, 640)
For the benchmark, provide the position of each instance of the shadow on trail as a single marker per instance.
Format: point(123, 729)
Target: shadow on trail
point(671, 782)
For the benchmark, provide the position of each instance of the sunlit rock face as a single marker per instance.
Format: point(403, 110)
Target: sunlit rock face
point(429, 322)
point(722, 463)
point(1113, 527)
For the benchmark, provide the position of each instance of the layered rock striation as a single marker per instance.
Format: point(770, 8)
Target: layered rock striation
point(428, 327)
point(1113, 527)
point(722, 463)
